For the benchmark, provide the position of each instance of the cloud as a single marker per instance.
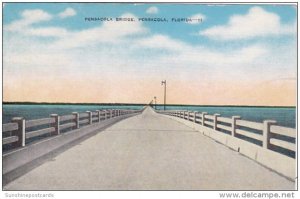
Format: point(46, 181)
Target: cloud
point(217, 60)
point(114, 37)
point(179, 53)
point(109, 32)
point(24, 26)
point(122, 48)
point(197, 18)
point(129, 49)
point(29, 17)
point(159, 41)
point(47, 32)
point(152, 10)
point(68, 12)
point(256, 23)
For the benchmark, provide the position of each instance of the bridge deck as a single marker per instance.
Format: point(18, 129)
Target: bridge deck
point(150, 152)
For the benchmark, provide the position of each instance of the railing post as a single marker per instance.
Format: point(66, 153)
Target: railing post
point(216, 120)
point(182, 114)
point(189, 115)
point(233, 124)
point(110, 113)
point(76, 120)
point(90, 116)
point(203, 117)
point(20, 132)
point(266, 132)
point(98, 115)
point(56, 124)
point(195, 113)
point(105, 114)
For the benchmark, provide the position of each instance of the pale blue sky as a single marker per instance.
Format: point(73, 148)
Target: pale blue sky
point(234, 45)
point(215, 15)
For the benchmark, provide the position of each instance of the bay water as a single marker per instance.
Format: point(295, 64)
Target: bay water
point(285, 116)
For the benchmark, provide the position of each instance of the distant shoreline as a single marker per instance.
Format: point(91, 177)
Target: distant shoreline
point(136, 104)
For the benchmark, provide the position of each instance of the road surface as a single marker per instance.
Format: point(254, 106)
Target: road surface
point(150, 152)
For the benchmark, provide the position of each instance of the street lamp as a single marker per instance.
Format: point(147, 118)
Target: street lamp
point(155, 102)
point(165, 93)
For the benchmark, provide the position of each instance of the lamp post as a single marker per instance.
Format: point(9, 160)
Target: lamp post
point(165, 92)
point(155, 102)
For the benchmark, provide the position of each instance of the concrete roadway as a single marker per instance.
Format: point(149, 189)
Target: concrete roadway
point(150, 152)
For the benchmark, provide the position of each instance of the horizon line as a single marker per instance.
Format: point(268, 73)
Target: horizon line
point(128, 104)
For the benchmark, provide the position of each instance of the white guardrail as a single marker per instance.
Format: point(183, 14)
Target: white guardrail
point(266, 134)
point(20, 130)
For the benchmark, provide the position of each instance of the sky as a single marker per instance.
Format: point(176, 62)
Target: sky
point(227, 55)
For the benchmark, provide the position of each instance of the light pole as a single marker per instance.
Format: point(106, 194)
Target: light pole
point(154, 102)
point(165, 93)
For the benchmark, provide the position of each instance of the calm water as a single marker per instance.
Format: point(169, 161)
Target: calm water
point(284, 116)
point(30, 112)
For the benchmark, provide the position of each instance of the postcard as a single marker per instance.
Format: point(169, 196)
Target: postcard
point(149, 96)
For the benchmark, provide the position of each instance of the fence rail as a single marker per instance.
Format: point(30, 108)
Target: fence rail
point(289, 132)
point(39, 132)
point(9, 140)
point(67, 117)
point(267, 134)
point(248, 124)
point(10, 127)
point(39, 122)
point(20, 130)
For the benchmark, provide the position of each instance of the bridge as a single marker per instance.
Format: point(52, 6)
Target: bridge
point(147, 150)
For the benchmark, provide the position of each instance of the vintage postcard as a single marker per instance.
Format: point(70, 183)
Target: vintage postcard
point(149, 96)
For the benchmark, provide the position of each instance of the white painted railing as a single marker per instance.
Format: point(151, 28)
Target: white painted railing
point(19, 130)
point(266, 134)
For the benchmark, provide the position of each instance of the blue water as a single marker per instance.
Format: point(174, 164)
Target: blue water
point(283, 116)
point(30, 112)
